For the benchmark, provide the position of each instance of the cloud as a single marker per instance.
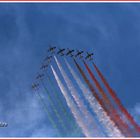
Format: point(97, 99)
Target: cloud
point(27, 118)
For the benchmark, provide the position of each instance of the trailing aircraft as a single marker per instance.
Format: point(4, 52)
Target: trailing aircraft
point(39, 76)
point(48, 58)
point(44, 66)
point(35, 85)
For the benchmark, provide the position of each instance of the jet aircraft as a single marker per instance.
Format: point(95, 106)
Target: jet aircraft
point(51, 49)
point(35, 85)
point(61, 52)
point(70, 52)
point(79, 53)
point(44, 66)
point(39, 76)
point(89, 56)
point(48, 58)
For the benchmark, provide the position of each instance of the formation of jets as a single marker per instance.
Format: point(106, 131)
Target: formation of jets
point(60, 52)
point(71, 53)
point(36, 85)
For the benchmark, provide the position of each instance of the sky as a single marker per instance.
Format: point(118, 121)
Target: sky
point(110, 30)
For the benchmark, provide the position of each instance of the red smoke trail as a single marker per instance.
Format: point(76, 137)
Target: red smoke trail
point(97, 85)
point(123, 125)
point(116, 100)
point(96, 95)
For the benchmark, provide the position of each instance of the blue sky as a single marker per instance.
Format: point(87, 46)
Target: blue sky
point(111, 31)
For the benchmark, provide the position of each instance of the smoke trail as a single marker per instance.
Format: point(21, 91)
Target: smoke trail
point(123, 126)
point(71, 105)
point(56, 96)
point(93, 91)
point(80, 104)
point(111, 130)
point(116, 99)
point(105, 98)
point(46, 110)
point(53, 106)
point(59, 103)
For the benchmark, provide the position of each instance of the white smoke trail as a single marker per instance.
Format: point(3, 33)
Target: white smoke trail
point(71, 105)
point(104, 119)
point(93, 128)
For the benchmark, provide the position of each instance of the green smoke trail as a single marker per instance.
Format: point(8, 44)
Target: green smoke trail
point(66, 113)
point(56, 96)
point(47, 112)
point(53, 106)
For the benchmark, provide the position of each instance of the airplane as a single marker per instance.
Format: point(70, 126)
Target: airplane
point(39, 76)
point(89, 56)
point(70, 52)
point(44, 66)
point(35, 85)
point(48, 58)
point(61, 52)
point(51, 49)
point(79, 54)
